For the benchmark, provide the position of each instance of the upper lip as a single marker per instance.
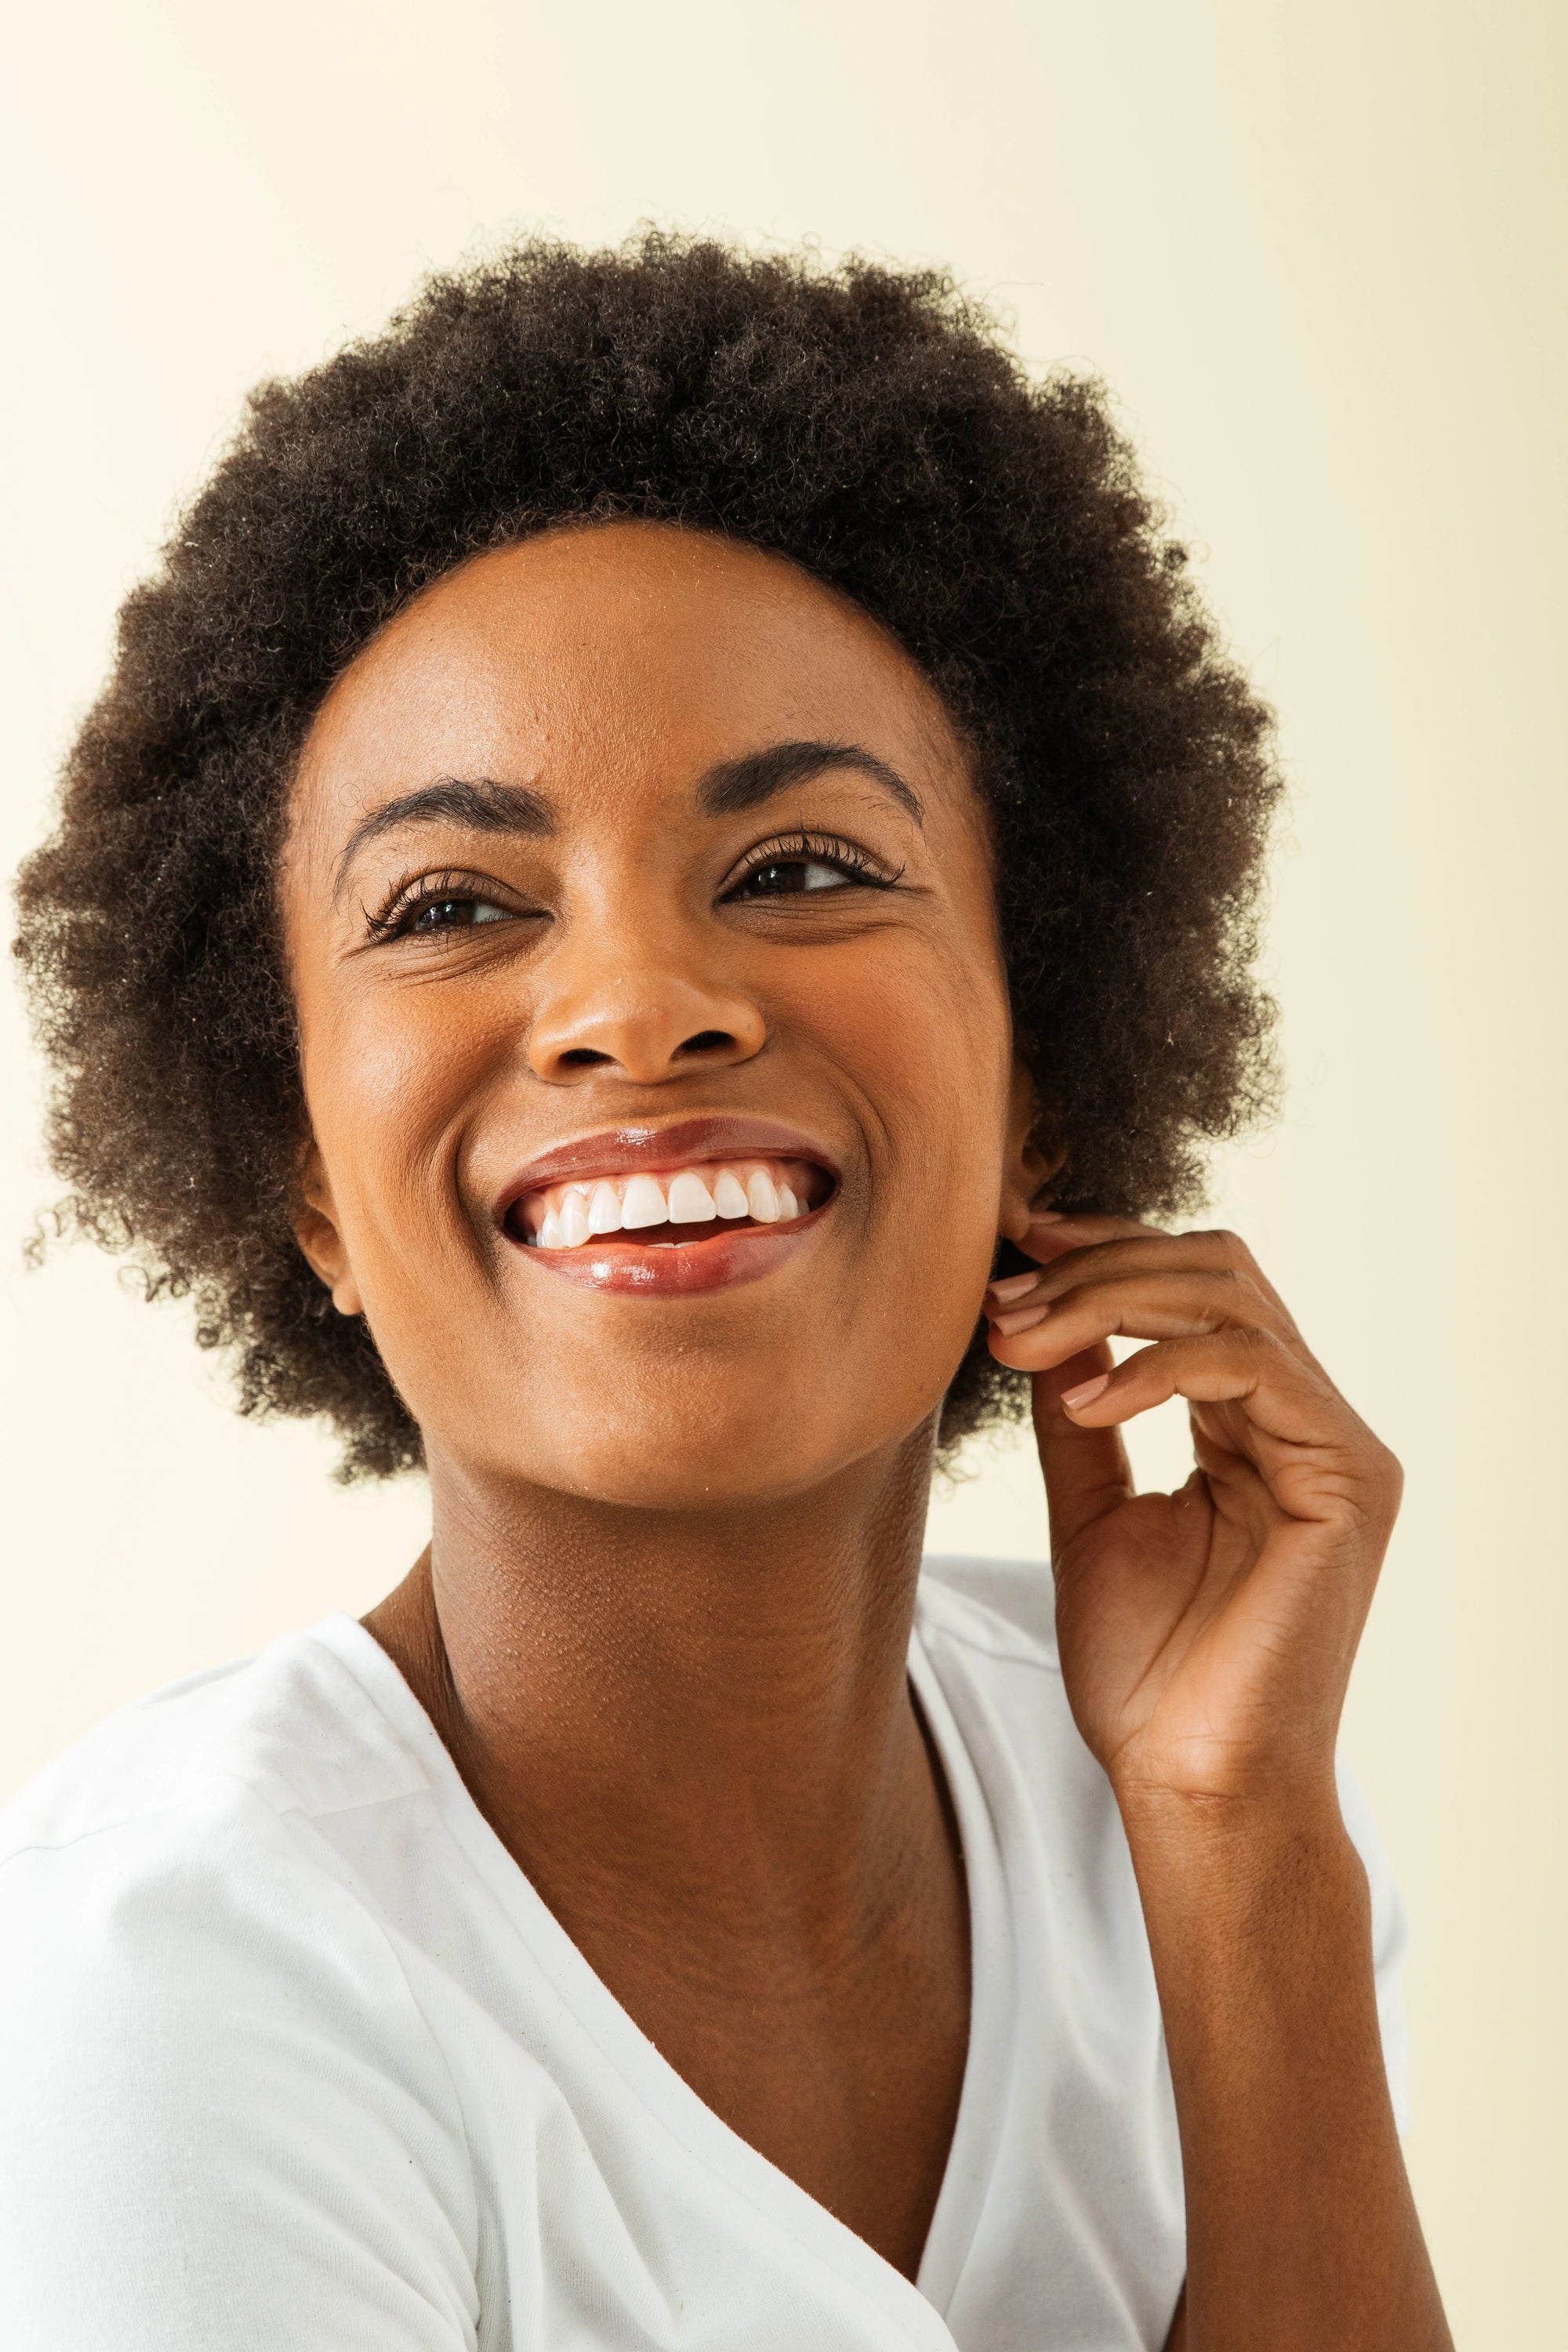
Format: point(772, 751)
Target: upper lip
point(642, 1144)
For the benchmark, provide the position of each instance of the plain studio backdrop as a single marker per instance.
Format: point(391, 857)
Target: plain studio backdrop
point(1319, 253)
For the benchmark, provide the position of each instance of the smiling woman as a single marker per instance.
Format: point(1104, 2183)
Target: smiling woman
point(702, 892)
point(866, 425)
point(661, 826)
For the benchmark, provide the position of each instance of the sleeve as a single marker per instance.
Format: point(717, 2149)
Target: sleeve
point(1390, 1939)
point(224, 2123)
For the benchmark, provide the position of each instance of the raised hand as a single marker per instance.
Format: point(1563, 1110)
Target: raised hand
point(1206, 1639)
point(1206, 1636)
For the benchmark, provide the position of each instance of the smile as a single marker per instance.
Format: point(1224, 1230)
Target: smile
point(738, 1194)
point(698, 1205)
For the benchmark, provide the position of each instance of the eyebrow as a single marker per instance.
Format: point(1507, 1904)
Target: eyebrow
point(479, 803)
point(731, 789)
point(736, 785)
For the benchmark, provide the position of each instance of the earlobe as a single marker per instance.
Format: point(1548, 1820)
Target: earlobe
point(316, 1231)
point(1033, 1157)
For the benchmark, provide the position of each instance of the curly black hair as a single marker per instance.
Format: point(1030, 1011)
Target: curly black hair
point(866, 422)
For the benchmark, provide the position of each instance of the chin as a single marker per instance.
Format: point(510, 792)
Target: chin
point(684, 1447)
point(683, 1417)
point(737, 1466)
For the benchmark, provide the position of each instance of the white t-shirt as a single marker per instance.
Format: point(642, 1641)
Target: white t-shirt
point(292, 2055)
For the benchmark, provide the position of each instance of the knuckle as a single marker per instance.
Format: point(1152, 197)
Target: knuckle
point(1236, 1286)
point(1227, 1252)
point(1389, 1471)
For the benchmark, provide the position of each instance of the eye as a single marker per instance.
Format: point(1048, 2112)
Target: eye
point(783, 874)
point(438, 905)
point(453, 914)
point(783, 868)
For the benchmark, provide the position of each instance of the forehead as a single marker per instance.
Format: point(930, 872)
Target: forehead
point(647, 647)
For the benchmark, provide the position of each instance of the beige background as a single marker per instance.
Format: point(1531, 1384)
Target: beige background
point(1319, 251)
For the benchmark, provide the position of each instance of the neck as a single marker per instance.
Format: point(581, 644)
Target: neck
point(711, 1703)
point(694, 1732)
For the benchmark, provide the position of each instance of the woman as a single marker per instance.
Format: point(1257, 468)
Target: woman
point(661, 825)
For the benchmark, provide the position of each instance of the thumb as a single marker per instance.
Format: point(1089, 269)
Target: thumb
point(1087, 1472)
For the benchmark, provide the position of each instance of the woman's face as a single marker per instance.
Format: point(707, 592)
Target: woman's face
point(655, 1034)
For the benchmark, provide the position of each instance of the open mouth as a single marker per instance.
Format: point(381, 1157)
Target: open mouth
point(639, 1210)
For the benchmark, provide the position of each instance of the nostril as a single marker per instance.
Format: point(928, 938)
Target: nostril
point(584, 1056)
point(707, 1041)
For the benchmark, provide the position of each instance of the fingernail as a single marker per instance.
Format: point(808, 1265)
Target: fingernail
point(1013, 1286)
point(1023, 1318)
point(1076, 1399)
point(1047, 1217)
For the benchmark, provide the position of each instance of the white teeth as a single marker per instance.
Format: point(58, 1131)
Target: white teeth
point(761, 1197)
point(643, 1204)
point(605, 1209)
point(567, 1215)
point(690, 1201)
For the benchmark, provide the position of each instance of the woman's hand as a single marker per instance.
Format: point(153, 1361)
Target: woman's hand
point(1206, 1636)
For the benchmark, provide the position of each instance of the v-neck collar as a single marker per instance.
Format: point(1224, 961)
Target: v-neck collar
point(649, 2075)
point(972, 2154)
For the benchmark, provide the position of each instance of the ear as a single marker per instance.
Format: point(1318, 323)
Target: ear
point(318, 1234)
point(1030, 1160)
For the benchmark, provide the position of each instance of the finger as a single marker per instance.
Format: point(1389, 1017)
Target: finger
point(1284, 1399)
point(1085, 1469)
point(1075, 1258)
point(1159, 1306)
point(1052, 1233)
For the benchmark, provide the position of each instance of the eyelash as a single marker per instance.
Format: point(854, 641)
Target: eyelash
point(817, 849)
point(410, 899)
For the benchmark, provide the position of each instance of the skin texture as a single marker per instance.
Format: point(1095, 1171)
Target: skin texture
point(663, 1622)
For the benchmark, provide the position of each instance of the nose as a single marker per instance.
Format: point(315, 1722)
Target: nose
point(644, 1020)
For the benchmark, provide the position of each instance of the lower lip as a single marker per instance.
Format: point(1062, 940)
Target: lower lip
point(718, 1262)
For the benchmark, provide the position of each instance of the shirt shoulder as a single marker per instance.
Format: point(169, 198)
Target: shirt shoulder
point(982, 1621)
point(293, 1728)
point(1003, 1608)
point(229, 2117)
point(986, 1630)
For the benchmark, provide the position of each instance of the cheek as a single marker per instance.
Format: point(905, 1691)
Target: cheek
point(923, 1041)
point(932, 1054)
point(389, 1075)
point(391, 1082)
point(927, 1037)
